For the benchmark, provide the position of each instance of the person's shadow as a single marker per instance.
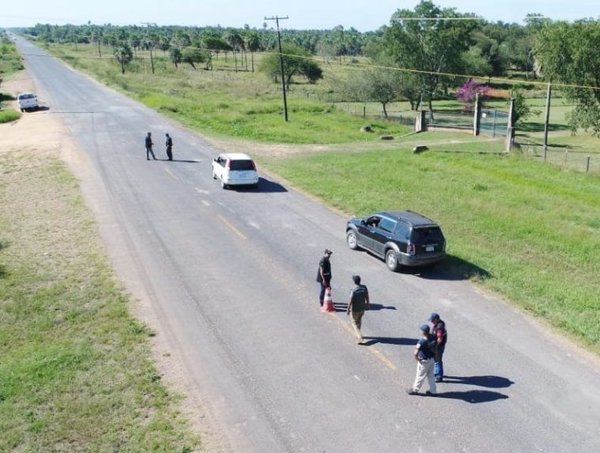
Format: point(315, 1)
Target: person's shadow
point(390, 340)
point(480, 381)
point(476, 396)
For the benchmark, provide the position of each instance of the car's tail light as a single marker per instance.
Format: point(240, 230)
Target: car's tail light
point(228, 164)
point(411, 249)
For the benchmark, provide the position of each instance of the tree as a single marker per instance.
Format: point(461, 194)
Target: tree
point(193, 55)
point(568, 53)
point(296, 61)
point(123, 55)
point(469, 91)
point(175, 56)
point(430, 47)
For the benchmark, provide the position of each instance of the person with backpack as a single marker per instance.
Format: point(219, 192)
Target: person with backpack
point(359, 302)
point(424, 356)
point(441, 337)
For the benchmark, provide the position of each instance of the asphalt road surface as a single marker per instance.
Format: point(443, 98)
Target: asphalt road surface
point(229, 276)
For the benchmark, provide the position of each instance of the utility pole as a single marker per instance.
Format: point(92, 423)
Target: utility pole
point(151, 43)
point(277, 19)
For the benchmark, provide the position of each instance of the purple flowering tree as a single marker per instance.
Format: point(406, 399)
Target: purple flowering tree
point(469, 91)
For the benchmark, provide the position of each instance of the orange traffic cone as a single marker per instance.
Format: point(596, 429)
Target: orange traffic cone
point(327, 302)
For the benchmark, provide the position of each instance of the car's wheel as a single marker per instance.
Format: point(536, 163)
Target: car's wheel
point(223, 185)
point(352, 240)
point(214, 175)
point(391, 260)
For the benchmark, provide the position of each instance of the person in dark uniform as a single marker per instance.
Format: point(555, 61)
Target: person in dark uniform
point(424, 357)
point(359, 302)
point(169, 145)
point(148, 143)
point(324, 274)
point(441, 337)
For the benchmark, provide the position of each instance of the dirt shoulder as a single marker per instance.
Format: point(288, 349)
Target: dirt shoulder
point(41, 134)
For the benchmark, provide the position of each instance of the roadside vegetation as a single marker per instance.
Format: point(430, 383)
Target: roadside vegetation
point(76, 372)
point(10, 63)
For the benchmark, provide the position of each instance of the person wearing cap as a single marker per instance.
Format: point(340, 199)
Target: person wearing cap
point(359, 302)
point(324, 274)
point(169, 145)
point(441, 336)
point(424, 357)
point(148, 143)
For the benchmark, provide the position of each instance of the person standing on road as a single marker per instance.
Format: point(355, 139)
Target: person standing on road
point(324, 274)
point(441, 336)
point(424, 357)
point(359, 302)
point(169, 145)
point(149, 144)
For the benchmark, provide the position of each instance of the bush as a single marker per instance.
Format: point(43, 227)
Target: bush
point(6, 116)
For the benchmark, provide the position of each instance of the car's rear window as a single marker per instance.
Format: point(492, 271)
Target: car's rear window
point(426, 234)
point(241, 165)
point(26, 96)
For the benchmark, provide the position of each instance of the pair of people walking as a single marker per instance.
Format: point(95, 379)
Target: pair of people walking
point(149, 144)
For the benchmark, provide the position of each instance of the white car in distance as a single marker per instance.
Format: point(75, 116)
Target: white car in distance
point(234, 169)
point(27, 101)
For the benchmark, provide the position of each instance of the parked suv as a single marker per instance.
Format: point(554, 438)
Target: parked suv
point(27, 101)
point(401, 238)
point(234, 169)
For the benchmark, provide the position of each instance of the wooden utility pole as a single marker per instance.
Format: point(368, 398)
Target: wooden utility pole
point(277, 19)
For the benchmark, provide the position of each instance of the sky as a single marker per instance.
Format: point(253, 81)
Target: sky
point(302, 14)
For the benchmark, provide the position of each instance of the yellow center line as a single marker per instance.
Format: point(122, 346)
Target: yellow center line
point(376, 352)
point(171, 174)
point(234, 229)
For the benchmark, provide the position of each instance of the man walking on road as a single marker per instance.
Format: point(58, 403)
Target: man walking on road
point(441, 336)
point(359, 302)
point(148, 143)
point(424, 357)
point(169, 145)
point(324, 274)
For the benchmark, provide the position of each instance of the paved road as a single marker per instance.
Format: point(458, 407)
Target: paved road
point(229, 277)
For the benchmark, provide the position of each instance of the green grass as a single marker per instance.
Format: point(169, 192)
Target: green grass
point(7, 116)
point(234, 104)
point(76, 373)
point(528, 231)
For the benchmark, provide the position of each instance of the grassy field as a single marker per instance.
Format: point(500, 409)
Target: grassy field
point(528, 231)
point(223, 102)
point(76, 372)
point(10, 62)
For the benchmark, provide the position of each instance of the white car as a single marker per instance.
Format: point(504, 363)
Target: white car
point(27, 101)
point(234, 169)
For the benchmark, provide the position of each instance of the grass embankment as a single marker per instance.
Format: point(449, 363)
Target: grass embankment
point(241, 104)
point(76, 372)
point(10, 63)
point(528, 231)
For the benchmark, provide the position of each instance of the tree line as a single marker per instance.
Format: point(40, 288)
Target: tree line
point(421, 54)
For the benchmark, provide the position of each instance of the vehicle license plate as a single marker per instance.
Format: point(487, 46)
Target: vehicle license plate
point(429, 248)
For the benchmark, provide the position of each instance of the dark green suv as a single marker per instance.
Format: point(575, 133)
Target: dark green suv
point(401, 238)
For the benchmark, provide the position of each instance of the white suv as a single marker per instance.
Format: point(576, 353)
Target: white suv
point(27, 101)
point(234, 169)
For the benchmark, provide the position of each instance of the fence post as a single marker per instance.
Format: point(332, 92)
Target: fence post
point(364, 111)
point(547, 115)
point(566, 156)
point(587, 165)
point(476, 116)
point(420, 122)
point(494, 125)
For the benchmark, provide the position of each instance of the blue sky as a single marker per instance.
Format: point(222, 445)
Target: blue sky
point(303, 14)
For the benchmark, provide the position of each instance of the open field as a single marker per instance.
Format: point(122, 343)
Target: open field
point(526, 230)
point(76, 372)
